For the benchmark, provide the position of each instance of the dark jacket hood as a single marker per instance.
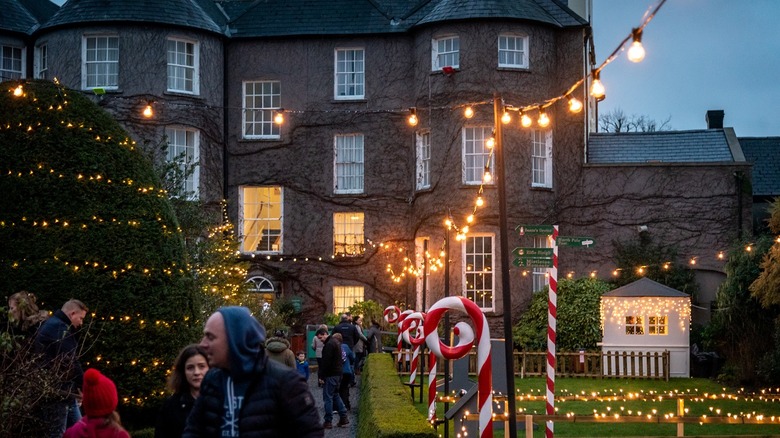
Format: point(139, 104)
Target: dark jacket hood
point(276, 344)
point(245, 336)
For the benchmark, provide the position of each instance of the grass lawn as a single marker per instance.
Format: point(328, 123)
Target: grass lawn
point(611, 397)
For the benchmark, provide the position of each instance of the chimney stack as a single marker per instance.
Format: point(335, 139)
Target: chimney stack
point(714, 119)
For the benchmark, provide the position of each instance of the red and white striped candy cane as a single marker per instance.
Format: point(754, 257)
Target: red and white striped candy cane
point(465, 343)
point(401, 319)
point(552, 316)
point(431, 387)
point(412, 330)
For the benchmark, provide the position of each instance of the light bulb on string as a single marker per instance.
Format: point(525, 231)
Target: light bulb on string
point(506, 118)
point(490, 143)
point(597, 89)
point(279, 116)
point(413, 116)
point(525, 120)
point(470, 218)
point(148, 111)
point(487, 177)
point(468, 112)
point(480, 201)
point(544, 119)
point(19, 91)
point(636, 53)
point(575, 105)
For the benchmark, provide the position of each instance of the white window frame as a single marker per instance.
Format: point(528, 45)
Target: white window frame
point(541, 158)
point(269, 212)
point(348, 163)
point(475, 154)
point(109, 81)
point(8, 62)
point(445, 52)
point(540, 278)
point(513, 51)
point(658, 325)
point(41, 61)
point(635, 325)
point(349, 233)
point(485, 277)
point(259, 105)
point(345, 297)
point(181, 64)
point(184, 143)
point(423, 160)
point(349, 73)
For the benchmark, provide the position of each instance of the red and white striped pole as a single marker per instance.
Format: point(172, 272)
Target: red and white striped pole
point(552, 316)
point(431, 387)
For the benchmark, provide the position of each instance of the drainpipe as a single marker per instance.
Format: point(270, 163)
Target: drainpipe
point(225, 120)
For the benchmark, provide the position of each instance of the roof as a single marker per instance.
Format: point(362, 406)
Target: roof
point(645, 287)
point(543, 11)
point(697, 146)
point(764, 154)
point(25, 16)
point(198, 14)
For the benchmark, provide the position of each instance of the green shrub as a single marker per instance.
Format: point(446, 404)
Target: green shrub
point(385, 410)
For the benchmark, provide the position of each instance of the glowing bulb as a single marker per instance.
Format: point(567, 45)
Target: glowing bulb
point(544, 120)
point(279, 117)
point(18, 91)
point(487, 177)
point(480, 201)
point(468, 112)
point(470, 218)
point(506, 118)
point(596, 87)
point(490, 143)
point(148, 111)
point(412, 116)
point(525, 120)
point(575, 105)
point(636, 53)
point(448, 223)
point(465, 229)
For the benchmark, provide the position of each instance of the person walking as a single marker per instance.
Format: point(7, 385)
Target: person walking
point(316, 345)
point(278, 349)
point(348, 374)
point(374, 338)
point(57, 342)
point(189, 369)
point(100, 417)
point(331, 372)
point(245, 394)
point(360, 347)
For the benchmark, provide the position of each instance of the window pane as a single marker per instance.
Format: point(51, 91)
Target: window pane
point(478, 270)
point(346, 296)
point(475, 154)
point(349, 163)
point(101, 62)
point(261, 226)
point(348, 238)
point(260, 100)
point(350, 71)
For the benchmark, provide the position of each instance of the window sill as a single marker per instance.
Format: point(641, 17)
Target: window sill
point(542, 188)
point(259, 140)
point(182, 94)
point(515, 69)
point(350, 100)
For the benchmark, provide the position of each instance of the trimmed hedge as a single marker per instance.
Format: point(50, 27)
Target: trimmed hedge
point(385, 409)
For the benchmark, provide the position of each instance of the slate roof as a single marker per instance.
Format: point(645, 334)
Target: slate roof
point(199, 14)
point(544, 11)
point(697, 146)
point(645, 287)
point(25, 16)
point(764, 154)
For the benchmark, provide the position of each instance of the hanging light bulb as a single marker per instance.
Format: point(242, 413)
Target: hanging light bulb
point(447, 223)
point(544, 119)
point(18, 91)
point(279, 116)
point(413, 116)
point(596, 87)
point(470, 218)
point(636, 53)
point(148, 111)
point(480, 201)
point(487, 177)
point(465, 229)
point(490, 142)
point(525, 120)
point(506, 118)
point(575, 105)
point(468, 112)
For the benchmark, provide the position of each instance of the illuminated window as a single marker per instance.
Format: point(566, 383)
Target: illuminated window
point(658, 325)
point(184, 151)
point(348, 163)
point(445, 52)
point(11, 63)
point(423, 160)
point(350, 74)
point(261, 219)
point(42, 61)
point(261, 98)
point(348, 238)
point(539, 275)
point(478, 270)
point(541, 159)
point(264, 287)
point(475, 154)
point(345, 296)
point(100, 57)
point(183, 66)
point(512, 51)
point(635, 325)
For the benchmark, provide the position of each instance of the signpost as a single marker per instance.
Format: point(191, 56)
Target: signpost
point(523, 262)
point(545, 253)
point(534, 230)
point(576, 241)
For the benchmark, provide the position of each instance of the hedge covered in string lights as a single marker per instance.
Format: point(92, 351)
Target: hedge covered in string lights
point(82, 215)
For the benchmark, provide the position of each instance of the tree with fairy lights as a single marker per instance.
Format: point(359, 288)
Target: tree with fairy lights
point(83, 215)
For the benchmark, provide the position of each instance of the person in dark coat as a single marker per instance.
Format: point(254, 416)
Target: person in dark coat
point(189, 369)
point(331, 372)
point(57, 342)
point(245, 394)
point(374, 338)
point(278, 348)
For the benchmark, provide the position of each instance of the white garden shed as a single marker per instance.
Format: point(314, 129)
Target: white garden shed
point(646, 317)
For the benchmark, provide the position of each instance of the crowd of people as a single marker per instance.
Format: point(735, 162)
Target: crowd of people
point(235, 382)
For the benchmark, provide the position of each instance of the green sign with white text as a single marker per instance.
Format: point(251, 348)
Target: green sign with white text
point(534, 230)
point(525, 262)
point(544, 253)
point(576, 241)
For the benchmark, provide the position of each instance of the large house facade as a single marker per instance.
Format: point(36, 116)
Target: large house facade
point(341, 202)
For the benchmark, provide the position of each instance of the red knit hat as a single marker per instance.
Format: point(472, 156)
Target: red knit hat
point(99, 394)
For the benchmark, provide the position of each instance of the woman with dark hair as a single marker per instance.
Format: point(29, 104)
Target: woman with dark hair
point(188, 372)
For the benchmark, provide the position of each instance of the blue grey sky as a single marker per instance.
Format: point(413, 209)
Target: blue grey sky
point(701, 55)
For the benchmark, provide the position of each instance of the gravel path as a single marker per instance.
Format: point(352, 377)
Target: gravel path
point(349, 430)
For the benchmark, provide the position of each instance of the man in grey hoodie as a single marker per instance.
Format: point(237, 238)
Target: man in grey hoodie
point(244, 394)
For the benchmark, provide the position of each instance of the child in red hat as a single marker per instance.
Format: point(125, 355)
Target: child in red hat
point(99, 400)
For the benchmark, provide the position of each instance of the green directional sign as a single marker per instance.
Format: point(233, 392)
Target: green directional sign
point(544, 253)
point(576, 241)
point(525, 262)
point(534, 230)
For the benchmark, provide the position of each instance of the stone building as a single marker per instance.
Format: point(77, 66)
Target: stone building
point(338, 202)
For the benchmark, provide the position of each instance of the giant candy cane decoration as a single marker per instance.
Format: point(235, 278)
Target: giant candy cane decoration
point(393, 315)
point(465, 342)
point(412, 330)
point(552, 317)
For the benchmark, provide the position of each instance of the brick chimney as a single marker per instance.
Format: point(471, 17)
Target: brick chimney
point(714, 119)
